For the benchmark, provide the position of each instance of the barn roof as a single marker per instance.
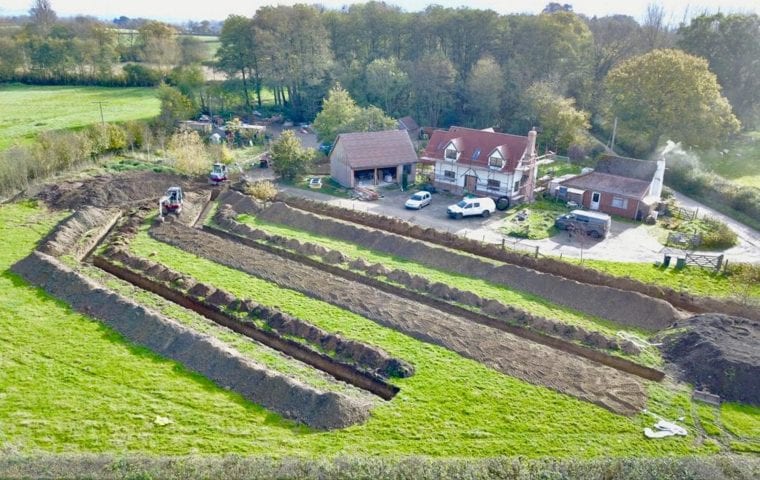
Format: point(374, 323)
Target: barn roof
point(376, 149)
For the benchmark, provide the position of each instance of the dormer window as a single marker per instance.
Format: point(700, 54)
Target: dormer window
point(451, 153)
point(495, 162)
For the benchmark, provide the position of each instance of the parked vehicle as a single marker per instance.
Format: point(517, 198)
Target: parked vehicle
point(594, 224)
point(419, 200)
point(470, 206)
point(315, 182)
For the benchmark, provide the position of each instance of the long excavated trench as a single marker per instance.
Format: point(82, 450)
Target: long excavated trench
point(618, 363)
point(536, 363)
point(340, 371)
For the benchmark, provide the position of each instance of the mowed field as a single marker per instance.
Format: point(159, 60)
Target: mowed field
point(29, 110)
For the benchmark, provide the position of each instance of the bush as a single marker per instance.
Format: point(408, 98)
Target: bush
point(718, 235)
point(262, 190)
point(188, 154)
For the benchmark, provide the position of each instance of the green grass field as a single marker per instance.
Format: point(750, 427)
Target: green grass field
point(69, 384)
point(738, 162)
point(539, 223)
point(695, 280)
point(29, 110)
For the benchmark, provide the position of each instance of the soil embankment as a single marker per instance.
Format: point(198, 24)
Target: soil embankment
point(530, 361)
point(679, 299)
point(719, 353)
point(620, 306)
point(200, 353)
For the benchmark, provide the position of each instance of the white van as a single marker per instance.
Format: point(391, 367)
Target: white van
point(470, 206)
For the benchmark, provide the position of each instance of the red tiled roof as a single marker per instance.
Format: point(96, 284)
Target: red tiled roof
point(475, 146)
point(377, 149)
point(615, 184)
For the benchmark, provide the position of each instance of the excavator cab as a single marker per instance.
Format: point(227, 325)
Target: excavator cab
point(171, 202)
point(218, 174)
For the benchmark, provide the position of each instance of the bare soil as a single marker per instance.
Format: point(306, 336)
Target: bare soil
point(538, 364)
point(107, 191)
point(718, 352)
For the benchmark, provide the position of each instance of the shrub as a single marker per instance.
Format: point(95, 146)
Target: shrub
point(718, 235)
point(187, 153)
point(262, 190)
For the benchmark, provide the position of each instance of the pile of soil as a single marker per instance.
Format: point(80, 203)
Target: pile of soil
point(718, 352)
point(533, 362)
point(108, 190)
point(620, 306)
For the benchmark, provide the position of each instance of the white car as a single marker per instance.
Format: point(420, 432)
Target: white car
point(470, 206)
point(418, 200)
point(315, 182)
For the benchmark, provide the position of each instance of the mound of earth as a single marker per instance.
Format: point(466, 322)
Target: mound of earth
point(108, 190)
point(718, 352)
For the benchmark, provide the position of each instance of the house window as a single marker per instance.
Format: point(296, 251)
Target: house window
point(517, 185)
point(494, 185)
point(451, 154)
point(495, 162)
point(620, 202)
point(449, 175)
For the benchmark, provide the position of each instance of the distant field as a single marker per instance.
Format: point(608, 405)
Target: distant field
point(739, 161)
point(29, 110)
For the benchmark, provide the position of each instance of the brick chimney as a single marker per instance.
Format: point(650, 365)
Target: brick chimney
point(529, 160)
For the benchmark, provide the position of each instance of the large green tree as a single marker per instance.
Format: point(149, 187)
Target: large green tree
point(668, 94)
point(561, 123)
point(338, 109)
point(237, 54)
point(731, 45)
point(340, 114)
point(289, 158)
point(484, 89)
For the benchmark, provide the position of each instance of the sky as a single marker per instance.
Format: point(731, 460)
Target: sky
point(180, 10)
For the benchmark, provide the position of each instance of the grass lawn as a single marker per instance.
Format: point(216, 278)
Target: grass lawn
point(329, 186)
point(695, 280)
point(558, 168)
point(739, 162)
point(741, 420)
point(29, 110)
point(539, 222)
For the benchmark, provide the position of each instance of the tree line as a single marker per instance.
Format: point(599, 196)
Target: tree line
point(558, 70)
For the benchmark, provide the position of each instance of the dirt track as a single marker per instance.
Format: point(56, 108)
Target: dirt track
point(532, 362)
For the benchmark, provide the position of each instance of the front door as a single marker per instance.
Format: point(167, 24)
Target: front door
point(470, 183)
point(595, 197)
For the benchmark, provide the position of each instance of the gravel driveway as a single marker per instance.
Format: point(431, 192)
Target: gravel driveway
point(626, 242)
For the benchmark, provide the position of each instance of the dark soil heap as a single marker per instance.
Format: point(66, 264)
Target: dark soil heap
point(106, 191)
point(720, 353)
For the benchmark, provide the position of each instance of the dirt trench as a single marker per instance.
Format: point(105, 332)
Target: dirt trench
point(198, 352)
point(538, 364)
point(538, 329)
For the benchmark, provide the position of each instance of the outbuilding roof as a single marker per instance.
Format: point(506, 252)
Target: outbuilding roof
point(387, 148)
point(615, 184)
point(627, 167)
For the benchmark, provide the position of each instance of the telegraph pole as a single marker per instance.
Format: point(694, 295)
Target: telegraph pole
point(102, 120)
